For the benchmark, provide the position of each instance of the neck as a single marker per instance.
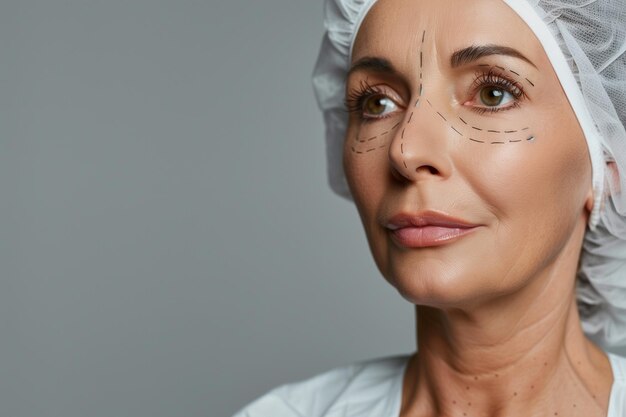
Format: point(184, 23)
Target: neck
point(523, 354)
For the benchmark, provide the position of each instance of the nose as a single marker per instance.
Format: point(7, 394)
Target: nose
point(420, 148)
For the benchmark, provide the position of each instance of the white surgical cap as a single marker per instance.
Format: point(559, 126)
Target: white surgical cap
point(585, 41)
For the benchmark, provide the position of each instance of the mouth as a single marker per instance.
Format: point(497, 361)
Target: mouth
point(428, 229)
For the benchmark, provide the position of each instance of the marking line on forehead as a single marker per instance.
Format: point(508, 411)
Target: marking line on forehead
point(383, 65)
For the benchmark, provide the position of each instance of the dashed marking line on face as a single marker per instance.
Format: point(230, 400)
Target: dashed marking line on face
point(453, 128)
point(443, 117)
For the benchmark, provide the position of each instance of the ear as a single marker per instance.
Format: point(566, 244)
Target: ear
point(613, 173)
point(613, 178)
point(589, 200)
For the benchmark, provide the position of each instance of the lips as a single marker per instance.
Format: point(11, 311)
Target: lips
point(427, 228)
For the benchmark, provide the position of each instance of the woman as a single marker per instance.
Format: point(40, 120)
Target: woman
point(483, 148)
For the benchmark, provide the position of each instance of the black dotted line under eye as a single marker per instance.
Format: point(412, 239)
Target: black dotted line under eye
point(480, 129)
point(492, 130)
point(421, 86)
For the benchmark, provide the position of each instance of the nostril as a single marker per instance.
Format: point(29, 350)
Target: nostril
point(432, 170)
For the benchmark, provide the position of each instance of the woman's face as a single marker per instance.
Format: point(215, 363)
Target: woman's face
point(456, 110)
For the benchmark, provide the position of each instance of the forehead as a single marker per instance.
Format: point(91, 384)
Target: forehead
point(393, 28)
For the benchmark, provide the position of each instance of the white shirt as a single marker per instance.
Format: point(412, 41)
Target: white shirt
point(372, 388)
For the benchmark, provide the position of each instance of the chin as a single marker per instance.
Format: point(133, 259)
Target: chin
point(428, 277)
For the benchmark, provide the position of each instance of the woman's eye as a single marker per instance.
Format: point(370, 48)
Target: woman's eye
point(377, 105)
point(495, 96)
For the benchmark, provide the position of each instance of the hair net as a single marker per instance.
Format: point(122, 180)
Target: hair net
point(585, 41)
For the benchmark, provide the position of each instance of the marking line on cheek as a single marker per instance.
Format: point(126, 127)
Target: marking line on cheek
point(529, 82)
point(410, 117)
point(460, 133)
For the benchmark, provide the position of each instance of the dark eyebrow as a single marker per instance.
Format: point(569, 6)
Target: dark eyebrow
point(472, 53)
point(375, 64)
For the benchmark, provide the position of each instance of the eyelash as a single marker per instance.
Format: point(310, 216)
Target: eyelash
point(356, 99)
point(357, 96)
point(494, 79)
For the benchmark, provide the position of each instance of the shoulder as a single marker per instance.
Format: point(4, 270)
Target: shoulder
point(363, 384)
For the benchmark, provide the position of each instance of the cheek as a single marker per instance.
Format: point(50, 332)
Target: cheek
point(369, 179)
point(535, 192)
point(365, 171)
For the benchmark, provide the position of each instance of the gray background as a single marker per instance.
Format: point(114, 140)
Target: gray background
point(170, 246)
